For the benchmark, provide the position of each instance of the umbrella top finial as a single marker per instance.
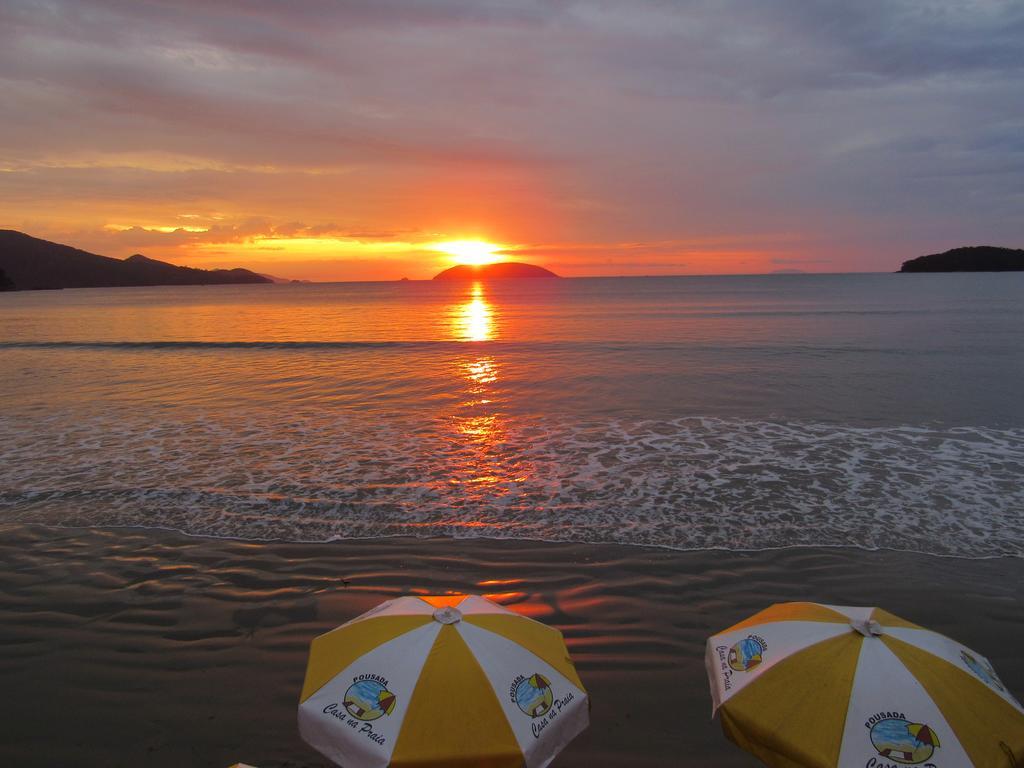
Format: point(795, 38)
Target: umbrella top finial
point(448, 615)
point(867, 627)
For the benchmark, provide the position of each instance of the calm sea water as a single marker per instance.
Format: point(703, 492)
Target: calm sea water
point(879, 411)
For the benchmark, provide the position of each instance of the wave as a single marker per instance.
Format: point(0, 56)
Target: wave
point(277, 345)
point(633, 347)
point(687, 483)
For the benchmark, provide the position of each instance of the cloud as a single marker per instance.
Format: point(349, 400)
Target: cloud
point(871, 128)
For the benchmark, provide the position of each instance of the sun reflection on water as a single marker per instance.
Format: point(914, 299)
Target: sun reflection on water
point(483, 460)
point(474, 321)
point(482, 371)
point(480, 429)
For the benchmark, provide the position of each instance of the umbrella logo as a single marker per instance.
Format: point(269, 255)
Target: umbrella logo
point(982, 669)
point(903, 741)
point(747, 653)
point(368, 699)
point(532, 694)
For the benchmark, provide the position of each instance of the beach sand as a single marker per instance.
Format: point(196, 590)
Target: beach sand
point(139, 647)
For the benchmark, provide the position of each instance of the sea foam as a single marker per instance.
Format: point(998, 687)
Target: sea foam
point(686, 483)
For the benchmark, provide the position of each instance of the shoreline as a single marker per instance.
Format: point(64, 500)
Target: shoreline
point(154, 646)
point(142, 529)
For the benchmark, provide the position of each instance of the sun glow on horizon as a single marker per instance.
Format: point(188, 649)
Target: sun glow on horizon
point(472, 252)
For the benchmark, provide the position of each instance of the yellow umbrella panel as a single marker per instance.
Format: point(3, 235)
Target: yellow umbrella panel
point(441, 681)
point(804, 684)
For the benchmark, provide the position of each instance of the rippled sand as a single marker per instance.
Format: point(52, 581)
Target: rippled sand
point(135, 647)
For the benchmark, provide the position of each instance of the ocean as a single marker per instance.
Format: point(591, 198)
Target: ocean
point(877, 411)
point(195, 482)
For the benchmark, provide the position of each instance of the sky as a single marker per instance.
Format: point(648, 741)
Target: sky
point(346, 139)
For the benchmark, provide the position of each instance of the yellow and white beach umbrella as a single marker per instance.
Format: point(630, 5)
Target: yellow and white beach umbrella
point(803, 684)
point(441, 681)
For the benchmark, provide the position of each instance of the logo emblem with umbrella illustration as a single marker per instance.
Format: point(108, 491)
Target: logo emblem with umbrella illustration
point(746, 654)
point(368, 700)
point(533, 695)
point(982, 669)
point(905, 742)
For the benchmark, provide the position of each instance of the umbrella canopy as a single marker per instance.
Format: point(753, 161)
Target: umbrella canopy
point(803, 684)
point(441, 681)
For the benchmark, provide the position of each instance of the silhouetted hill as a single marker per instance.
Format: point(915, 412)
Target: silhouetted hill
point(281, 280)
point(31, 263)
point(505, 269)
point(6, 284)
point(977, 258)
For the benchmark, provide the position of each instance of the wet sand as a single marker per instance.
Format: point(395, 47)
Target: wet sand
point(140, 647)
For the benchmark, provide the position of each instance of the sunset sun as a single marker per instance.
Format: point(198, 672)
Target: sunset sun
point(473, 252)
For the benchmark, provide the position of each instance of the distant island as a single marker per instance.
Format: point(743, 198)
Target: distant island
point(282, 280)
point(486, 271)
point(977, 258)
point(28, 263)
